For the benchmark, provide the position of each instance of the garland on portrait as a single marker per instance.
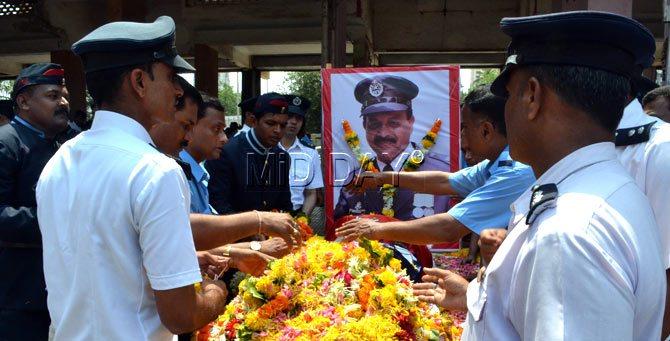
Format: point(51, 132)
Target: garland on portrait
point(414, 161)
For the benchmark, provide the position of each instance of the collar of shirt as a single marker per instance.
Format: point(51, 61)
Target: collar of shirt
point(574, 162)
point(25, 123)
point(296, 146)
point(634, 116)
point(199, 173)
point(255, 143)
point(399, 160)
point(245, 128)
point(111, 120)
point(493, 166)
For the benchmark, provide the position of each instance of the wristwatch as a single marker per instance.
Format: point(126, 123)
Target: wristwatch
point(255, 245)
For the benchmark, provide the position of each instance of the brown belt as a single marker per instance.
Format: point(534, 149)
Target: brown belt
point(19, 245)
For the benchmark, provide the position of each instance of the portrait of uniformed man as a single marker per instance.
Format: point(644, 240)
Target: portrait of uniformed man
point(388, 121)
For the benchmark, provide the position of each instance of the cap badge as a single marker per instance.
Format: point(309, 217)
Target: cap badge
point(376, 88)
point(297, 101)
point(511, 59)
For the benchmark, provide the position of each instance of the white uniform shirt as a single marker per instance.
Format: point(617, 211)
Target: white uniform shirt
point(113, 214)
point(588, 268)
point(649, 165)
point(304, 172)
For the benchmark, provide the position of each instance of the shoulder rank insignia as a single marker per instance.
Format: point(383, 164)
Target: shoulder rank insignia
point(185, 167)
point(633, 135)
point(543, 197)
point(505, 163)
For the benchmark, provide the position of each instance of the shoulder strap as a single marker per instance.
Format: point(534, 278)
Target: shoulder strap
point(633, 135)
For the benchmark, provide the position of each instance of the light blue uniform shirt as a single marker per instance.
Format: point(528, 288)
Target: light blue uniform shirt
point(489, 188)
point(198, 185)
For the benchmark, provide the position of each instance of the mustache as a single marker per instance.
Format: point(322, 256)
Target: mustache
point(382, 139)
point(62, 111)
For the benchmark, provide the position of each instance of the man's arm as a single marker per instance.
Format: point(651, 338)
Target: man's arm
point(316, 182)
point(195, 309)
point(211, 231)
point(17, 224)
point(439, 228)
point(564, 270)
point(168, 254)
point(430, 182)
point(310, 201)
point(657, 173)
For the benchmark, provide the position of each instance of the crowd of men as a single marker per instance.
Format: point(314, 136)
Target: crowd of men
point(103, 232)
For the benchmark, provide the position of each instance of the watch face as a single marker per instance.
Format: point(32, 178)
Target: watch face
point(255, 245)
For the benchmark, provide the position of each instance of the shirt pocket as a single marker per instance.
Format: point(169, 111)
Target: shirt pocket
point(476, 299)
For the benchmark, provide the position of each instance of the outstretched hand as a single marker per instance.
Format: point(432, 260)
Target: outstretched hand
point(489, 242)
point(283, 226)
point(211, 264)
point(443, 288)
point(357, 228)
point(250, 261)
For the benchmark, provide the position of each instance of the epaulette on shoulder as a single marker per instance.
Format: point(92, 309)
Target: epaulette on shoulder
point(633, 135)
point(505, 163)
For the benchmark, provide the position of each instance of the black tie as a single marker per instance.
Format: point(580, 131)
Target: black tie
point(388, 168)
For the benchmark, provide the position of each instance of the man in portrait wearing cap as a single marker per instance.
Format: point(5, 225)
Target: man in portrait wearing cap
point(252, 172)
point(388, 120)
point(247, 113)
point(114, 211)
point(582, 259)
point(40, 100)
point(305, 170)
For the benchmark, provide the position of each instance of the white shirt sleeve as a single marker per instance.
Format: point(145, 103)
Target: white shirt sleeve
point(317, 178)
point(657, 180)
point(567, 284)
point(161, 213)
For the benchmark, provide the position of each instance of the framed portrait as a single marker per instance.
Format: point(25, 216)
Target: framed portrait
point(391, 111)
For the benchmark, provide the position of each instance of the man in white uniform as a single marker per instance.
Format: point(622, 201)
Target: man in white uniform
point(119, 259)
point(582, 259)
point(643, 147)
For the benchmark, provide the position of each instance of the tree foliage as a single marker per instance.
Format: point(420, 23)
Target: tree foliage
point(484, 76)
point(308, 84)
point(228, 97)
point(6, 88)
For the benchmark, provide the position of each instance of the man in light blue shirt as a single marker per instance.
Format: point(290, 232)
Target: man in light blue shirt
point(205, 143)
point(488, 188)
point(198, 185)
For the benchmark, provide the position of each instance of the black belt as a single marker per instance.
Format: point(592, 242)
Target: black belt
point(19, 245)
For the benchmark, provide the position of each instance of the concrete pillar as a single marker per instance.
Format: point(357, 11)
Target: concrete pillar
point(207, 69)
point(339, 33)
point(334, 33)
point(75, 79)
point(623, 7)
point(251, 83)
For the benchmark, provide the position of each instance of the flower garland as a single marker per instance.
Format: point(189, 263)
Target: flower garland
point(414, 161)
point(331, 291)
